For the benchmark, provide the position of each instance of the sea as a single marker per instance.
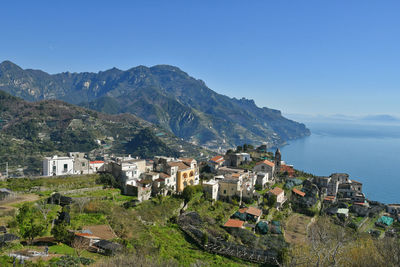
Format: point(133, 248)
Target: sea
point(368, 151)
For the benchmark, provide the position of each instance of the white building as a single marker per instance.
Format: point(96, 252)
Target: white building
point(55, 166)
point(211, 187)
point(96, 165)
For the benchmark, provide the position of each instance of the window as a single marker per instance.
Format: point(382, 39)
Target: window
point(191, 174)
point(65, 167)
point(185, 175)
point(83, 164)
point(54, 168)
point(225, 192)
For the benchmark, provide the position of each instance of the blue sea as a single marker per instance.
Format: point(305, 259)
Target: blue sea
point(369, 152)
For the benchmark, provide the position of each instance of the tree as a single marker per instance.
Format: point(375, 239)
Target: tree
point(44, 208)
point(81, 202)
point(108, 180)
point(188, 193)
point(30, 222)
point(271, 200)
point(61, 233)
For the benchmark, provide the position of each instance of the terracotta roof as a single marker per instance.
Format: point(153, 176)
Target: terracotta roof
point(96, 161)
point(269, 163)
point(254, 211)
point(242, 210)
point(288, 169)
point(298, 192)
point(234, 223)
point(276, 191)
point(217, 159)
point(236, 175)
point(329, 198)
point(160, 180)
point(102, 231)
point(355, 182)
point(180, 165)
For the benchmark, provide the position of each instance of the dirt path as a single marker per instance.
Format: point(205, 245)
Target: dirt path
point(7, 205)
point(296, 228)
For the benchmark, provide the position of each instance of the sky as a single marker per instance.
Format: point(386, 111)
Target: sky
point(301, 57)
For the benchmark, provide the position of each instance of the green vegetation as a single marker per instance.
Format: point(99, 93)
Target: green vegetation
point(30, 222)
point(56, 184)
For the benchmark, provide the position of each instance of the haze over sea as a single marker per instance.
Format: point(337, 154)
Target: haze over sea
point(366, 149)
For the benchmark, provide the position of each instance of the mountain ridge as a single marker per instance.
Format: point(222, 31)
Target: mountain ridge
point(31, 130)
point(162, 94)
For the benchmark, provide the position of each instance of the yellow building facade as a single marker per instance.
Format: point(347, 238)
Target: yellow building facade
point(184, 178)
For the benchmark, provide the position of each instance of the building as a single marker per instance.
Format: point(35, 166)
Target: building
point(262, 179)
point(6, 194)
point(127, 170)
point(81, 164)
point(187, 173)
point(267, 167)
point(96, 166)
point(192, 163)
point(278, 160)
point(211, 188)
point(237, 159)
point(141, 189)
point(229, 188)
point(216, 162)
point(280, 195)
point(55, 166)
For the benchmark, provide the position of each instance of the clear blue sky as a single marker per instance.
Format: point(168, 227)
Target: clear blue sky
point(309, 57)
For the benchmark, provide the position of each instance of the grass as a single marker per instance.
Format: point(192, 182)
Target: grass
point(169, 238)
point(78, 220)
point(54, 183)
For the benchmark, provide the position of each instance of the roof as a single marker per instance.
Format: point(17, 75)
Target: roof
point(235, 175)
point(164, 175)
point(234, 223)
point(386, 220)
point(355, 182)
point(254, 211)
point(87, 235)
point(288, 169)
point(242, 210)
point(269, 163)
point(96, 162)
point(103, 231)
point(298, 192)
point(5, 190)
point(329, 198)
point(104, 244)
point(179, 164)
point(276, 191)
point(188, 161)
point(217, 159)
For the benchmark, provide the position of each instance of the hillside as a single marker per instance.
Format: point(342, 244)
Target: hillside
point(29, 131)
point(163, 95)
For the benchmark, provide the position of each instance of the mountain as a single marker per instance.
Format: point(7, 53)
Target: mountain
point(29, 131)
point(163, 95)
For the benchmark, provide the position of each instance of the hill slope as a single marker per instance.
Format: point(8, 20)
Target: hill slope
point(29, 131)
point(164, 95)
